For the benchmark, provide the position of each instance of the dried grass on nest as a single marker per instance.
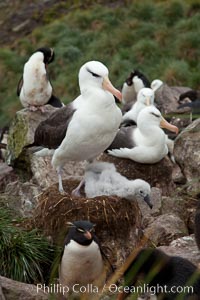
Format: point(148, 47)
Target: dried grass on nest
point(112, 215)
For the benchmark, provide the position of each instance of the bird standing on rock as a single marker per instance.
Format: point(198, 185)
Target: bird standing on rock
point(82, 261)
point(87, 126)
point(34, 88)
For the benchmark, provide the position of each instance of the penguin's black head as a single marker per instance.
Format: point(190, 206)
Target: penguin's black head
point(81, 232)
point(144, 79)
point(129, 80)
point(48, 54)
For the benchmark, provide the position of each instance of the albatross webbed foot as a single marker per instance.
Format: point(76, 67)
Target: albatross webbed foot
point(76, 192)
point(42, 108)
point(33, 108)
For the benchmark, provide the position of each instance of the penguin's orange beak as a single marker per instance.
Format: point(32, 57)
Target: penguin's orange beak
point(88, 235)
point(107, 85)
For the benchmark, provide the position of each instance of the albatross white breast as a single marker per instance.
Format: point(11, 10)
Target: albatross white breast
point(86, 127)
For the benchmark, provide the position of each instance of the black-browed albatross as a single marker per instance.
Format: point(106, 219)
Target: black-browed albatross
point(86, 127)
point(147, 143)
point(145, 97)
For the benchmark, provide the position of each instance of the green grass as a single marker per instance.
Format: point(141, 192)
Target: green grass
point(26, 256)
point(161, 38)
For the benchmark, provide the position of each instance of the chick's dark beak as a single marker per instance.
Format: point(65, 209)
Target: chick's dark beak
point(88, 235)
point(147, 199)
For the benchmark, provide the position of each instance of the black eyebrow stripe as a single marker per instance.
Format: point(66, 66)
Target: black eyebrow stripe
point(94, 74)
point(155, 115)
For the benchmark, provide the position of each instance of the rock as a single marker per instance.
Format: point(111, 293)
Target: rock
point(22, 129)
point(177, 175)
point(44, 175)
point(157, 175)
point(165, 228)
point(118, 221)
point(184, 247)
point(7, 175)
point(21, 197)
point(2, 297)
point(187, 155)
point(25, 163)
point(197, 224)
point(148, 214)
point(181, 205)
point(21, 26)
point(166, 98)
point(13, 290)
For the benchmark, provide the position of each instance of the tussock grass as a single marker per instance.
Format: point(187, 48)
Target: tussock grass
point(25, 255)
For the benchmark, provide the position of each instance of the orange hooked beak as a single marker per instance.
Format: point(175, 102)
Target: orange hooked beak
point(107, 85)
point(88, 235)
point(165, 124)
point(148, 101)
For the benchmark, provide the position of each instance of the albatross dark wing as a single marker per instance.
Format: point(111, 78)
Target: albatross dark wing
point(123, 139)
point(51, 132)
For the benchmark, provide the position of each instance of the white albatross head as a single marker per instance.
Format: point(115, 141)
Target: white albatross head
point(94, 73)
point(156, 84)
point(152, 116)
point(146, 96)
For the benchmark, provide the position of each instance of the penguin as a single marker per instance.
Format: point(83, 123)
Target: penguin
point(34, 88)
point(132, 85)
point(194, 106)
point(165, 275)
point(82, 262)
point(193, 95)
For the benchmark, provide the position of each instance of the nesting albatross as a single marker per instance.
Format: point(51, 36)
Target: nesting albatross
point(87, 126)
point(146, 143)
